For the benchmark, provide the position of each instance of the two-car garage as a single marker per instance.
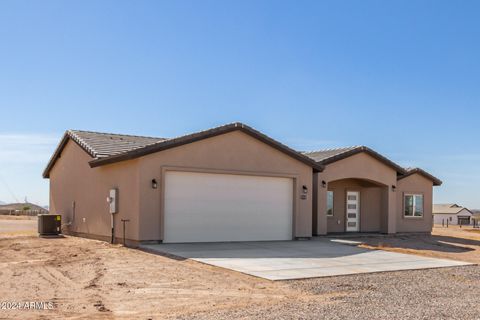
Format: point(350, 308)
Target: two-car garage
point(229, 183)
point(207, 207)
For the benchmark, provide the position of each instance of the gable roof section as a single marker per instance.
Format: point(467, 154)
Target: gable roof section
point(328, 156)
point(189, 138)
point(99, 145)
point(107, 148)
point(410, 171)
point(448, 209)
point(447, 205)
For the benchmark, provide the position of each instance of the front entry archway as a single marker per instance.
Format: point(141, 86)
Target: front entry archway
point(357, 205)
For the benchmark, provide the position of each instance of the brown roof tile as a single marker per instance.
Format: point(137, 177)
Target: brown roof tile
point(410, 171)
point(107, 148)
point(328, 156)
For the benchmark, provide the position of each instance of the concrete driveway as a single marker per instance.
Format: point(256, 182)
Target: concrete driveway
point(285, 260)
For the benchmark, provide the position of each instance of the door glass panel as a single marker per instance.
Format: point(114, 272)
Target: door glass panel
point(352, 197)
point(352, 215)
point(352, 224)
point(352, 206)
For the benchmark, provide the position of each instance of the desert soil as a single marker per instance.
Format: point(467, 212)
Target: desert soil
point(87, 279)
point(455, 243)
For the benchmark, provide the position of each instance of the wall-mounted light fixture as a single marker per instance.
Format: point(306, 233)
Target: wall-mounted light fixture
point(304, 189)
point(154, 184)
point(324, 184)
point(394, 188)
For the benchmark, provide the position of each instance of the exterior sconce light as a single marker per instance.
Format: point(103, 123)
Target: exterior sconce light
point(154, 184)
point(394, 188)
point(303, 196)
point(324, 184)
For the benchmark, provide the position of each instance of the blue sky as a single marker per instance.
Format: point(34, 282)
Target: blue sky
point(399, 76)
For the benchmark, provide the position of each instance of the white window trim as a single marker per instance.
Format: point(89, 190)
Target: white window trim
point(414, 195)
point(333, 204)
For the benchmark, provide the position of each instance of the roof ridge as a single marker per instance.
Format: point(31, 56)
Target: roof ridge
point(200, 135)
point(335, 149)
point(236, 124)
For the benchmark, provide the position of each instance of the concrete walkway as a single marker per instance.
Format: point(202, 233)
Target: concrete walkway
point(285, 260)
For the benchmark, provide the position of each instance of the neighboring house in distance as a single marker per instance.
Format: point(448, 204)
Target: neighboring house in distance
point(229, 183)
point(22, 209)
point(453, 213)
point(476, 216)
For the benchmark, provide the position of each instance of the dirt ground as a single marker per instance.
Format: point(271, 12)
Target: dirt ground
point(87, 279)
point(455, 243)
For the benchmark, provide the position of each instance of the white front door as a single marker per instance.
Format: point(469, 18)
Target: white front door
point(353, 211)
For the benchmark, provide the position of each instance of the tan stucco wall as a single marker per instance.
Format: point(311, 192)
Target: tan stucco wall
point(364, 167)
point(234, 152)
point(419, 185)
point(72, 179)
point(386, 206)
point(370, 205)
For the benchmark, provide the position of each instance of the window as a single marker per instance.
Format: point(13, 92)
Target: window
point(329, 203)
point(413, 205)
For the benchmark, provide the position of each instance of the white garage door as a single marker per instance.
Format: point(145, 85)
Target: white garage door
point(204, 207)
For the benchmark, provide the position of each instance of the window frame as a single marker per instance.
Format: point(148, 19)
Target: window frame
point(333, 204)
point(414, 204)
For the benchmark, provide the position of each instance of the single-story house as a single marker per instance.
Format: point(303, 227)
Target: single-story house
point(230, 183)
point(451, 213)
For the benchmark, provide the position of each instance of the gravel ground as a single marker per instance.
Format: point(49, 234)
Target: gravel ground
point(449, 293)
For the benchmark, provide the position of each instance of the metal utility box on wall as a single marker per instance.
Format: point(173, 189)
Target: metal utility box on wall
point(113, 201)
point(49, 224)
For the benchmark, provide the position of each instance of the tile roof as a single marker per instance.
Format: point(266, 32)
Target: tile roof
point(410, 171)
point(321, 155)
point(101, 145)
point(106, 148)
point(328, 156)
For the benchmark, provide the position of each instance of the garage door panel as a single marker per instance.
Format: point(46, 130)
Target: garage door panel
point(204, 207)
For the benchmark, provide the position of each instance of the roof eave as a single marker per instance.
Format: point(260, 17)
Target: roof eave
point(436, 182)
point(190, 138)
point(56, 154)
point(368, 151)
point(58, 151)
